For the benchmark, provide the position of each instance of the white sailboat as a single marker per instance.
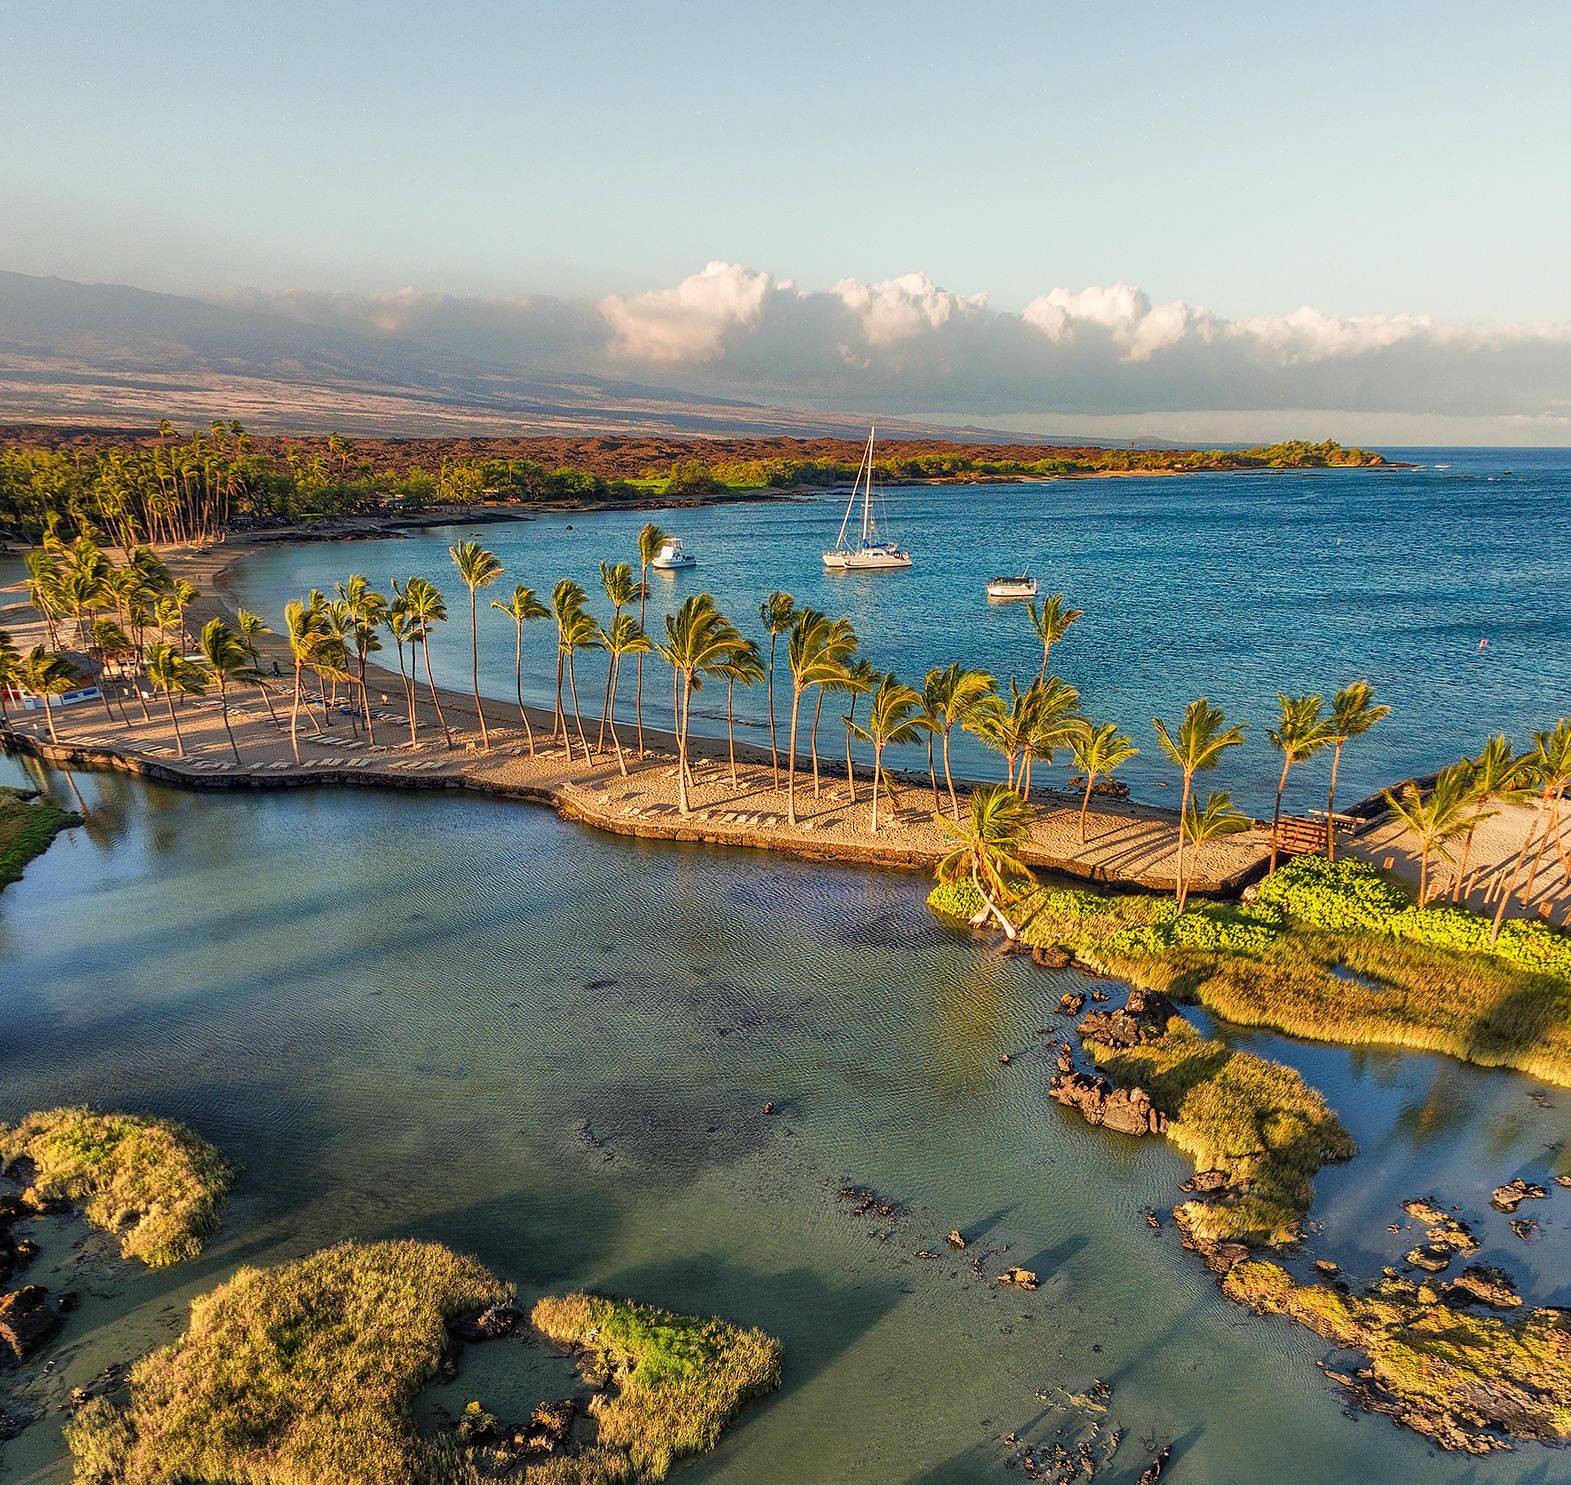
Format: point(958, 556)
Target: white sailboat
point(871, 554)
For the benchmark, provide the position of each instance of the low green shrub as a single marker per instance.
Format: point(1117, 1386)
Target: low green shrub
point(1221, 929)
point(1326, 894)
point(1531, 946)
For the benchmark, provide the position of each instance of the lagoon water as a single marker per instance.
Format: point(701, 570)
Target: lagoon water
point(466, 1020)
point(1233, 586)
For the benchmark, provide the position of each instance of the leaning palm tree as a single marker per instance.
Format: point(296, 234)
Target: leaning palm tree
point(567, 601)
point(623, 638)
point(698, 638)
point(860, 677)
point(617, 580)
point(778, 612)
point(895, 717)
point(987, 850)
point(426, 609)
point(578, 632)
point(1353, 712)
point(111, 644)
point(1300, 733)
point(170, 672)
point(46, 675)
point(650, 540)
point(228, 662)
point(1498, 776)
point(523, 606)
point(840, 645)
point(743, 664)
point(1435, 818)
point(812, 662)
point(1195, 747)
point(1098, 751)
point(367, 611)
point(405, 629)
point(1003, 725)
point(953, 694)
point(478, 568)
point(1548, 767)
point(1208, 821)
point(305, 631)
point(250, 628)
point(1051, 623)
point(10, 660)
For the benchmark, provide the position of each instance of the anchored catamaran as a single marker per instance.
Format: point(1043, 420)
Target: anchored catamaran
point(871, 554)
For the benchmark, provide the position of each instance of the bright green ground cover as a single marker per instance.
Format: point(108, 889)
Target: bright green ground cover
point(27, 826)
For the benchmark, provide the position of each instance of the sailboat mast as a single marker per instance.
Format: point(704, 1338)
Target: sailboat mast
point(867, 488)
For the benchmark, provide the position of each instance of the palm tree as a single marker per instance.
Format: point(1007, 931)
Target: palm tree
point(896, 717)
point(954, 694)
point(170, 671)
point(567, 600)
point(227, 660)
point(10, 661)
point(860, 677)
point(46, 675)
point(744, 664)
point(624, 637)
point(1498, 776)
point(478, 568)
point(578, 631)
point(778, 612)
point(1053, 722)
point(650, 540)
point(812, 663)
point(1201, 739)
point(1051, 624)
point(1098, 751)
point(698, 639)
point(1210, 821)
point(840, 645)
point(305, 629)
point(405, 630)
point(111, 643)
point(1002, 726)
point(1549, 768)
point(426, 609)
point(986, 852)
point(523, 606)
point(250, 628)
point(617, 580)
point(367, 610)
point(1300, 733)
point(1353, 712)
point(1434, 818)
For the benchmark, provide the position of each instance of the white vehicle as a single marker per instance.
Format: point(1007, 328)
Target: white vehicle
point(672, 556)
point(872, 553)
point(1012, 587)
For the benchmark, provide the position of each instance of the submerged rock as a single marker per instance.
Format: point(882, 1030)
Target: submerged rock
point(1431, 1257)
point(1422, 1209)
point(1071, 1003)
point(1021, 1278)
point(1152, 1473)
point(1509, 1197)
point(1485, 1285)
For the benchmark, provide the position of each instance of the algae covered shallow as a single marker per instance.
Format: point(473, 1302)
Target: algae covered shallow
point(468, 1022)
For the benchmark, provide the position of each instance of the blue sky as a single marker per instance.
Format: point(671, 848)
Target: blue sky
point(1370, 159)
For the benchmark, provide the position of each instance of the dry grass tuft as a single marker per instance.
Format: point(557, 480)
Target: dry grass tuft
point(150, 1180)
point(26, 828)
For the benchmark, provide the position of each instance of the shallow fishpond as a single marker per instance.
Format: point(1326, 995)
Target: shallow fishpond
point(463, 1019)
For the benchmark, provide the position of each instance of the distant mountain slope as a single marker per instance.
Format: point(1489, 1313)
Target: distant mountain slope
point(109, 354)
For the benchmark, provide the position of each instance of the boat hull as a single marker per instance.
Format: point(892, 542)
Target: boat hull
point(870, 561)
point(1005, 592)
point(675, 565)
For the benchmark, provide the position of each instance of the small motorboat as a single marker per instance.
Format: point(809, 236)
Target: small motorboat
point(673, 555)
point(1023, 586)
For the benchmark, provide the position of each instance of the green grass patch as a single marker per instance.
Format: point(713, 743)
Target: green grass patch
point(150, 1181)
point(27, 826)
point(1456, 1375)
point(1232, 1111)
point(680, 1378)
point(1282, 963)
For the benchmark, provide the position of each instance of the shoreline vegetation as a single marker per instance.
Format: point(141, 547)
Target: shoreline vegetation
point(1336, 952)
point(28, 825)
point(150, 1182)
point(305, 1374)
point(161, 486)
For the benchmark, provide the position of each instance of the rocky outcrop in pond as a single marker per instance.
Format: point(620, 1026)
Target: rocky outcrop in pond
point(1128, 1110)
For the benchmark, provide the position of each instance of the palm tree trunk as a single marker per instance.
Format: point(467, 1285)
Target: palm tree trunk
point(878, 769)
point(1183, 809)
point(1336, 759)
point(949, 781)
point(365, 703)
point(812, 738)
point(1461, 871)
point(850, 719)
point(294, 717)
point(774, 754)
point(679, 702)
point(518, 682)
point(730, 728)
point(578, 721)
point(932, 776)
point(796, 699)
point(616, 743)
point(436, 701)
point(169, 696)
point(1276, 813)
point(49, 717)
point(1551, 829)
point(638, 668)
point(1085, 803)
point(559, 716)
point(223, 706)
point(474, 671)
